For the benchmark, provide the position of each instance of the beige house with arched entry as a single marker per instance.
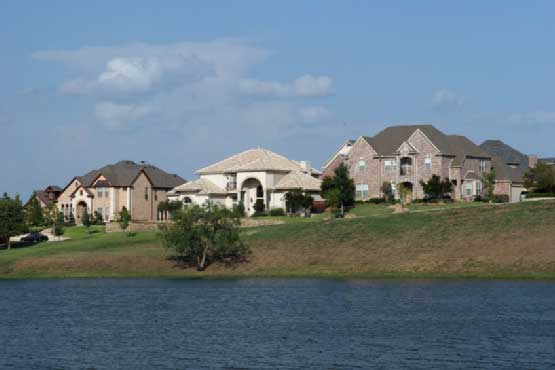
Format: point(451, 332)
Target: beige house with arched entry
point(248, 176)
point(139, 187)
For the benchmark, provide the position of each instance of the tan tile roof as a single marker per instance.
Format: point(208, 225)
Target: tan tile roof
point(298, 180)
point(253, 160)
point(200, 187)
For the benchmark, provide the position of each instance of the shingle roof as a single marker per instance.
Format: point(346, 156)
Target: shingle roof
point(461, 147)
point(43, 196)
point(253, 160)
point(505, 152)
point(199, 186)
point(471, 175)
point(124, 173)
point(298, 180)
point(502, 156)
point(390, 139)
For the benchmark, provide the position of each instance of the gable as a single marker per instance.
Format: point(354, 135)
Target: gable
point(422, 143)
point(141, 180)
point(406, 149)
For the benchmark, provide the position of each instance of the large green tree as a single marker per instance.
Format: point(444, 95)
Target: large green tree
point(296, 200)
point(204, 235)
point(436, 188)
point(34, 211)
point(339, 189)
point(12, 218)
point(541, 178)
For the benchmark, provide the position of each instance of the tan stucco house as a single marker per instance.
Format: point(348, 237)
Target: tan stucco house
point(47, 196)
point(139, 187)
point(409, 154)
point(248, 176)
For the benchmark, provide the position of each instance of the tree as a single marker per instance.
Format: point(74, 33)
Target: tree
point(124, 218)
point(343, 187)
point(55, 219)
point(70, 220)
point(86, 219)
point(296, 200)
point(404, 193)
point(259, 207)
point(489, 183)
point(387, 190)
point(169, 206)
point(34, 212)
point(12, 218)
point(540, 178)
point(436, 188)
point(204, 235)
point(98, 220)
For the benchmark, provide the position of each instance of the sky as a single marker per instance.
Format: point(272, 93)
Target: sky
point(182, 84)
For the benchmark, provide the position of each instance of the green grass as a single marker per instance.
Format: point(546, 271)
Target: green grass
point(457, 240)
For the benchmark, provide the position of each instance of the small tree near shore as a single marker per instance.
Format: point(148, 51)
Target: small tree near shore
point(204, 235)
point(339, 190)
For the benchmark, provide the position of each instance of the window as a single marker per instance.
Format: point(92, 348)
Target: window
point(99, 210)
point(99, 192)
point(362, 190)
point(394, 189)
point(478, 187)
point(482, 165)
point(107, 214)
point(428, 164)
point(146, 193)
point(187, 200)
point(388, 166)
point(155, 194)
point(468, 189)
point(106, 192)
point(394, 165)
point(124, 188)
point(361, 166)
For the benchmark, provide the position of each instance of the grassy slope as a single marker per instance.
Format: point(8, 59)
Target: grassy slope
point(488, 241)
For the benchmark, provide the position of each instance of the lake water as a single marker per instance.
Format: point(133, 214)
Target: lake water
point(276, 324)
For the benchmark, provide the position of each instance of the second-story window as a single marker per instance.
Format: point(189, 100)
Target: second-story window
point(388, 166)
point(146, 193)
point(482, 166)
point(155, 194)
point(428, 164)
point(361, 166)
point(106, 192)
point(100, 191)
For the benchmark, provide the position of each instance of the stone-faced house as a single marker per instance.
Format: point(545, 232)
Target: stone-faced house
point(408, 154)
point(510, 165)
point(247, 177)
point(138, 187)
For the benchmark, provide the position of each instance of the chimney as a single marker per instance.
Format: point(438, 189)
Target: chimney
point(306, 167)
point(532, 161)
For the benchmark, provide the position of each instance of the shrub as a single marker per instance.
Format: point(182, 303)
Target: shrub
point(500, 198)
point(98, 220)
point(259, 206)
point(71, 220)
point(86, 219)
point(276, 212)
point(259, 214)
point(540, 195)
point(124, 218)
point(376, 200)
point(238, 210)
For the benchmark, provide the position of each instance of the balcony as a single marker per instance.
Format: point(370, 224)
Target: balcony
point(405, 169)
point(231, 186)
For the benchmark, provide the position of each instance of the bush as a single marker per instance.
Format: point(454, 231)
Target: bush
point(336, 213)
point(377, 200)
point(259, 214)
point(500, 198)
point(540, 195)
point(259, 206)
point(238, 210)
point(98, 220)
point(276, 212)
point(58, 230)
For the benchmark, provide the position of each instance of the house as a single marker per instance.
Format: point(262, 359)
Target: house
point(48, 196)
point(510, 165)
point(408, 154)
point(139, 187)
point(337, 158)
point(255, 174)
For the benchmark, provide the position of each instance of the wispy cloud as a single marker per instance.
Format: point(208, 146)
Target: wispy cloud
point(304, 86)
point(535, 117)
point(446, 100)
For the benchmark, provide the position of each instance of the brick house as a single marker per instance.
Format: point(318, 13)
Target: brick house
point(411, 153)
point(139, 187)
point(510, 165)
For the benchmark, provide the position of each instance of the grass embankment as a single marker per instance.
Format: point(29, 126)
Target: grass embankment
point(489, 241)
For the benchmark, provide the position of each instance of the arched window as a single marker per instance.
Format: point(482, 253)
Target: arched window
point(259, 192)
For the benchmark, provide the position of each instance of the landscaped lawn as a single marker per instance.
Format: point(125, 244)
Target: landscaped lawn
point(510, 240)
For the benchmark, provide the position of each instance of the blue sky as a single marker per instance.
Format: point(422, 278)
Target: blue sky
point(183, 84)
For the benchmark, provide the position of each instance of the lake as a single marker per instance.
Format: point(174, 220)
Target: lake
point(276, 324)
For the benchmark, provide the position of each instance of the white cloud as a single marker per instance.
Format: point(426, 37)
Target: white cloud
point(536, 117)
point(120, 116)
point(446, 100)
point(304, 86)
point(185, 86)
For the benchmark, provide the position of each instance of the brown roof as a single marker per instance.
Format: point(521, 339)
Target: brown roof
point(504, 172)
point(386, 142)
point(124, 173)
point(503, 158)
